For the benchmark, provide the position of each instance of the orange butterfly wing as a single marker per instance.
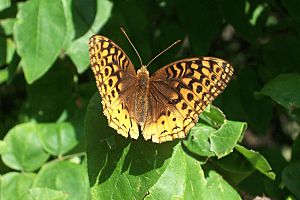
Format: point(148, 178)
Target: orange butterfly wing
point(179, 92)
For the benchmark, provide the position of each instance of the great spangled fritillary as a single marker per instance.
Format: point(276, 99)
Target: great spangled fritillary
point(167, 104)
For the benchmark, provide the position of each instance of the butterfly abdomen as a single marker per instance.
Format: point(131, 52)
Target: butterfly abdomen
point(141, 104)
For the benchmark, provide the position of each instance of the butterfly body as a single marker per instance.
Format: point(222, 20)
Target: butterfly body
point(166, 104)
point(141, 100)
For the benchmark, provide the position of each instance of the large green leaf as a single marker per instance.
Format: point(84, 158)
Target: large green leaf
point(64, 176)
point(14, 185)
point(121, 168)
point(78, 49)
point(40, 33)
point(24, 150)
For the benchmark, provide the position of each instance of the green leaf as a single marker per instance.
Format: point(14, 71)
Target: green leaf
point(45, 194)
point(14, 185)
point(64, 176)
point(24, 150)
point(257, 161)
point(291, 177)
point(4, 4)
point(224, 139)
point(208, 141)
point(121, 168)
point(40, 33)
point(284, 89)
point(57, 138)
point(198, 140)
point(78, 49)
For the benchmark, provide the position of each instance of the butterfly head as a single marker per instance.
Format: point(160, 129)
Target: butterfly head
point(143, 70)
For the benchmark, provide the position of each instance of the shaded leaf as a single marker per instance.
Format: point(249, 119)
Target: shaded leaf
point(291, 177)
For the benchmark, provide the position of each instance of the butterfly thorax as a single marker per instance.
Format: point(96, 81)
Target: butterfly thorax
point(141, 104)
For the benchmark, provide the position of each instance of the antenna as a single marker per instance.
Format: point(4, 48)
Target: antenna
point(132, 46)
point(163, 52)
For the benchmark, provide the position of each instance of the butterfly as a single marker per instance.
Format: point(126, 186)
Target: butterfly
point(163, 106)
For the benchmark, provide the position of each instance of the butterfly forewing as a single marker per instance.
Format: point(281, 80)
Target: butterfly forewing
point(180, 91)
point(115, 77)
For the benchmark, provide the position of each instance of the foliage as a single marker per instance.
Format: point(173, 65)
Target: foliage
point(55, 142)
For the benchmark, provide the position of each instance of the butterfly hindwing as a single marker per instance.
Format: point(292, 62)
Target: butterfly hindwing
point(115, 77)
point(180, 91)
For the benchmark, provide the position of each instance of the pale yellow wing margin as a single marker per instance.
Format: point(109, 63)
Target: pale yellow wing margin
point(179, 92)
point(115, 77)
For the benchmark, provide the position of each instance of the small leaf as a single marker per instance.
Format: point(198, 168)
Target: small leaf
point(225, 138)
point(24, 150)
point(40, 33)
point(57, 138)
point(45, 194)
point(64, 176)
point(257, 161)
point(205, 140)
point(15, 185)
